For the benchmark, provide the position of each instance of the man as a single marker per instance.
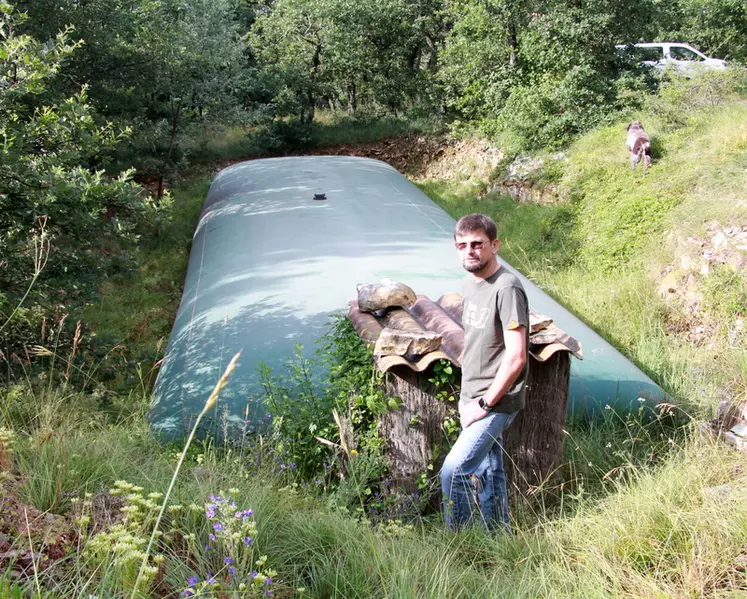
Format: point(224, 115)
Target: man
point(495, 315)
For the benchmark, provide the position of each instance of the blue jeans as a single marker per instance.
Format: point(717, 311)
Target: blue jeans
point(473, 481)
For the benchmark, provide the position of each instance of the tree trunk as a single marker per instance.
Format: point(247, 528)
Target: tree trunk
point(415, 429)
point(533, 443)
point(315, 62)
point(311, 106)
point(432, 54)
point(352, 99)
point(513, 44)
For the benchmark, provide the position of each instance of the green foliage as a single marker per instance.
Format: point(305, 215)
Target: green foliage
point(539, 73)
point(716, 27)
point(156, 65)
point(11, 590)
point(118, 551)
point(350, 54)
point(63, 223)
point(681, 98)
point(299, 414)
point(725, 291)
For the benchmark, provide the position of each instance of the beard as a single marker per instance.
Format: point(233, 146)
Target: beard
point(474, 265)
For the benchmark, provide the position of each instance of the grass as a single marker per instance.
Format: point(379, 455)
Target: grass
point(667, 529)
point(650, 508)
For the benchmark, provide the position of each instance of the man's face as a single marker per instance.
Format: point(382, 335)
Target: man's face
point(476, 251)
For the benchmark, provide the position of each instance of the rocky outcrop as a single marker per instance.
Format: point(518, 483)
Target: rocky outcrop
point(696, 257)
point(523, 180)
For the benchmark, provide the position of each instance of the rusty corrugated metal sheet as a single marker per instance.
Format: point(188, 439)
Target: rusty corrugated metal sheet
point(444, 317)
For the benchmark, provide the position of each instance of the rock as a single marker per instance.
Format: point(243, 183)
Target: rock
point(522, 167)
point(739, 429)
point(737, 262)
point(686, 263)
point(693, 298)
point(379, 296)
point(392, 342)
point(719, 240)
point(705, 269)
point(668, 285)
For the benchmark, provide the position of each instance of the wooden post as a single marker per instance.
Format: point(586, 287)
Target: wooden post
point(533, 442)
point(415, 429)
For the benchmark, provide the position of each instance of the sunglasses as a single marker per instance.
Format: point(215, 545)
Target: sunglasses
point(473, 245)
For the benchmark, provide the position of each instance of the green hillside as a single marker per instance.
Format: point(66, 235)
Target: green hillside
point(655, 262)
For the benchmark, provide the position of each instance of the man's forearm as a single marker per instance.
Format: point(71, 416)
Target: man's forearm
point(508, 372)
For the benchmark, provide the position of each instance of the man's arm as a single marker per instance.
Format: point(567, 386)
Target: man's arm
point(513, 362)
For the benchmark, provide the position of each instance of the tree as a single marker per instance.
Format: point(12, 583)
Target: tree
point(345, 52)
point(154, 65)
point(479, 63)
point(542, 69)
point(52, 178)
point(717, 27)
point(290, 41)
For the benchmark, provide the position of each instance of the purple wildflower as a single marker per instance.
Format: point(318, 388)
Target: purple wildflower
point(232, 570)
point(292, 466)
point(187, 593)
point(283, 466)
point(208, 548)
point(193, 580)
point(210, 510)
point(211, 580)
point(254, 574)
point(212, 537)
point(269, 580)
point(227, 560)
point(268, 593)
point(217, 526)
point(247, 541)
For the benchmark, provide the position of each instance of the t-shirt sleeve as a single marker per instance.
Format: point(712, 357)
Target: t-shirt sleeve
point(513, 308)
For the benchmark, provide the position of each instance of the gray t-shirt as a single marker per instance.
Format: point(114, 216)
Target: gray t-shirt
point(488, 307)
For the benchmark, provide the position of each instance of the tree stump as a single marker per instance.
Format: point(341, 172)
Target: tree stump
point(415, 430)
point(533, 443)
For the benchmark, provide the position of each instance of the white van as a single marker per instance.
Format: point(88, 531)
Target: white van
point(673, 54)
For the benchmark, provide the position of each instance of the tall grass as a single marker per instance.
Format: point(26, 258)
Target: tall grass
point(666, 528)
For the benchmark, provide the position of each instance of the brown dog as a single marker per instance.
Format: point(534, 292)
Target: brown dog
point(639, 145)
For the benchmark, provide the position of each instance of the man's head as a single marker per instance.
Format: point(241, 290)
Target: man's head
point(476, 240)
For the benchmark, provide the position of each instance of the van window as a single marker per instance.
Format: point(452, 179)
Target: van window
point(653, 54)
point(679, 53)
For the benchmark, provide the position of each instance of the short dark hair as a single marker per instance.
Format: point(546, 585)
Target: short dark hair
point(477, 222)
